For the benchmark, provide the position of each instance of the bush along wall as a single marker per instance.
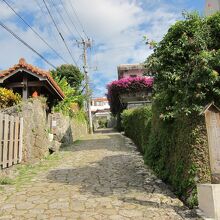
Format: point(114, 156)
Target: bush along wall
point(176, 150)
point(137, 125)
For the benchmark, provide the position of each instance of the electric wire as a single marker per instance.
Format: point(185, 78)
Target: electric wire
point(62, 18)
point(26, 44)
point(69, 51)
point(39, 36)
point(71, 20)
point(43, 13)
point(77, 17)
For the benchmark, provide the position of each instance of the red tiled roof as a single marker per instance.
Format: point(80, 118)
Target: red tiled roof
point(101, 99)
point(22, 64)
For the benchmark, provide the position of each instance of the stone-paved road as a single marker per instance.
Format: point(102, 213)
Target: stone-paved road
point(101, 177)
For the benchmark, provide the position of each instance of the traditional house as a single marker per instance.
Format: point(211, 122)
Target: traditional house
point(30, 81)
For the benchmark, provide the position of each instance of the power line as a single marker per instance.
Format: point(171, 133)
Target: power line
point(60, 33)
point(35, 31)
point(71, 19)
point(38, 4)
point(26, 44)
point(77, 17)
point(54, 36)
point(62, 18)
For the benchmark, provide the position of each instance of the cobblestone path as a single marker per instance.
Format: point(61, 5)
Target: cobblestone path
point(101, 177)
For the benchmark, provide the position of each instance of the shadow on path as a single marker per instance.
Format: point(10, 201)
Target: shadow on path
point(105, 131)
point(112, 175)
point(110, 142)
point(121, 174)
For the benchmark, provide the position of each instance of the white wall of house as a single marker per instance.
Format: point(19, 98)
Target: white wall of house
point(100, 104)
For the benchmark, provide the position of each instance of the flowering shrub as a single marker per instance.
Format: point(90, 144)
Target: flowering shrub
point(8, 98)
point(126, 85)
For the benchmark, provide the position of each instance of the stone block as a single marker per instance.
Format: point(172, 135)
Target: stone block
point(209, 200)
point(55, 146)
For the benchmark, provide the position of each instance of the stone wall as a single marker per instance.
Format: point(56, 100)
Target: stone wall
point(38, 126)
point(66, 130)
point(35, 133)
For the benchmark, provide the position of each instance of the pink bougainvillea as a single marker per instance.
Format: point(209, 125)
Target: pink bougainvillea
point(126, 85)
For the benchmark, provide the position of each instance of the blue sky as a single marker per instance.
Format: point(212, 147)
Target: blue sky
point(116, 27)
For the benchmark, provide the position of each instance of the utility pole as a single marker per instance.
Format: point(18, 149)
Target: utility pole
point(87, 44)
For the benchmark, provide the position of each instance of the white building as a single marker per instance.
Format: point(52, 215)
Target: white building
point(101, 112)
point(100, 104)
point(211, 7)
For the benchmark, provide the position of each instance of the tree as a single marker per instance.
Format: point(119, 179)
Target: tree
point(71, 73)
point(186, 65)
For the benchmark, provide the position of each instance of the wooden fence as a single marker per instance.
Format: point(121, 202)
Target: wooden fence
point(11, 132)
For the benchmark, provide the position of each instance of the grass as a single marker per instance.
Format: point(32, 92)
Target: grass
point(77, 141)
point(26, 172)
point(6, 180)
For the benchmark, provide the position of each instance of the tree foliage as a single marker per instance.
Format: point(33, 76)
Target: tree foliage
point(71, 73)
point(72, 96)
point(186, 65)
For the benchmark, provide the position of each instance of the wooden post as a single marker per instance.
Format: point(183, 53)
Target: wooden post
point(11, 141)
point(16, 140)
point(20, 140)
point(212, 117)
point(1, 138)
point(5, 145)
point(25, 87)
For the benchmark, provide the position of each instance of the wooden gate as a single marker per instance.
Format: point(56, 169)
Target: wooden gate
point(11, 132)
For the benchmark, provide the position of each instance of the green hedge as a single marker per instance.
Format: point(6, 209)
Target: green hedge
point(176, 150)
point(137, 125)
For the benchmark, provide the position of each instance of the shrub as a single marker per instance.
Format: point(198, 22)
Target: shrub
point(8, 98)
point(178, 152)
point(137, 125)
point(124, 86)
point(72, 102)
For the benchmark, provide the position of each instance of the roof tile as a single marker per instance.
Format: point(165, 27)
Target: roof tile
point(22, 64)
